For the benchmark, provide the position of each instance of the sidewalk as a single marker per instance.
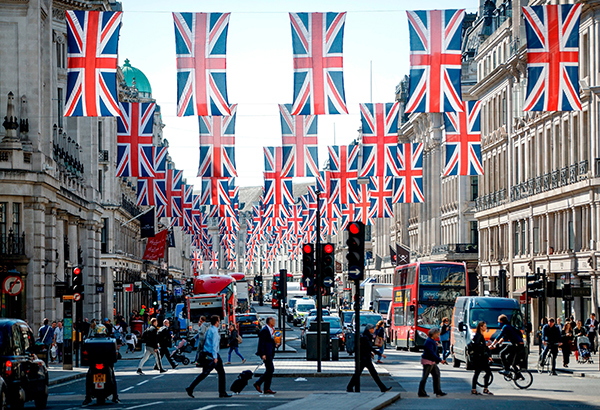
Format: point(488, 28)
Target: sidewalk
point(56, 374)
point(304, 368)
point(575, 369)
point(342, 401)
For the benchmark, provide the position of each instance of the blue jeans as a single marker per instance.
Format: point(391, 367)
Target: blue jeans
point(446, 349)
point(380, 353)
point(232, 349)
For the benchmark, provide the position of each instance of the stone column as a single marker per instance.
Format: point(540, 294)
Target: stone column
point(50, 268)
point(36, 294)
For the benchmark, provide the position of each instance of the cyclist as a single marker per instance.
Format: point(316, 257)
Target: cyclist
point(551, 340)
point(508, 354)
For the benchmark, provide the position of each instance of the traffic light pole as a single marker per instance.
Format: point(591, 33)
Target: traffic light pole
point(357, 334)
point(318, 283)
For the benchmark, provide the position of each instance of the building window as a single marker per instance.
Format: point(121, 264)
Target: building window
point(474, 188)
point(16, 226)
point(536, 239)
point(3, 206)
point(524, 244)
point(585, 59)
point(474, 233)
point(104, 236)
point(100, 182)
point(517, 242)
point(571, 236)
point(59, 107)
point(100, 135)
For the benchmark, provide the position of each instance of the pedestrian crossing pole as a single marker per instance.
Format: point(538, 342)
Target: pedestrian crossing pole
point(318, 282)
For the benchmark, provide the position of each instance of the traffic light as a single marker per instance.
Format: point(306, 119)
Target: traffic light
point(281, 285)
point(77, 288)
point(356, 250)
point(327, 265)
point(259, 281)
point(535, 286)
point(308, 268)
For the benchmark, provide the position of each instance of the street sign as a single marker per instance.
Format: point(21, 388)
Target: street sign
point(118, 286)
point(328, 281)
point(67, 297)
point(77, 297)
point(13, 285)
point(99, 287)
point(178, 291)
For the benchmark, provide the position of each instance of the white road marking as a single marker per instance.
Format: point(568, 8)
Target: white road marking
point(157, 377)
point(210, 406)
point(144, 382)
point(143, 405)
point(127, 389)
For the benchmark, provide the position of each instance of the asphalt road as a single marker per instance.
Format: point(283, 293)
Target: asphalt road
point(166, 391)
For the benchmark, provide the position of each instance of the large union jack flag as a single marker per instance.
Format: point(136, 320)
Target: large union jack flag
point(92, 45)
point(299, 140)
point(364, 210)
point(380, 136)
point(408, 187)
point(343, 162)
point(215, 191)
point(435, 60)
point(217, 146)
point(381, 191)
point(278, 189)
point(318, 40)
point(201, 46)
point(151, 190)
point(134, 140)
point(552, 57)
point(463, 141)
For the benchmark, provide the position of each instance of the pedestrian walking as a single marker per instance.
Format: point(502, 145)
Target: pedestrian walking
point(266, 351)
point(567, 340)
point(592, 327)
point(59, 339)
point(367, 351)
point(430, 360)
point(481, 359)
point(211, 359)
point(150, 338)
point(380, 340)
point(130, 341)
point(234, 343)
point(203, 327)
point(46, 336)
point(165, 341)
point(445, 338)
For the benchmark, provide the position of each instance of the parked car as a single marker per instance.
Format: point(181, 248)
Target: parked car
point(248, 323)
point(25, 375)
point(335, 330)
point(366, 318)
point(313, 312)
point(346, 316)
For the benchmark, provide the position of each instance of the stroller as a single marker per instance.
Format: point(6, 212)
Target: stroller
point(177, 354)
point(583, 346)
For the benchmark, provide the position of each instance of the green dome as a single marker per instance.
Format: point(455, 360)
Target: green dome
point(141, 81)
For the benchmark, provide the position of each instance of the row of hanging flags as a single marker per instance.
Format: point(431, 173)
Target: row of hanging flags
point(394, 171)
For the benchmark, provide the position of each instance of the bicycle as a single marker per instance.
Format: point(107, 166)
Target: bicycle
point(522, 378)
point(543, 364)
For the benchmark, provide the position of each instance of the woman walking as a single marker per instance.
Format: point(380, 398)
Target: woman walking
point(366, 356)
point(481, 359)
point(379, 340)
point(567, 340)
point(430, 360)
point(445, 338)
point(234, 343)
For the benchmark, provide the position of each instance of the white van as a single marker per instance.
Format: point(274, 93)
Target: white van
point(303, 306)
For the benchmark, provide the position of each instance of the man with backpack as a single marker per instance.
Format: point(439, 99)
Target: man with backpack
point(165, 340)
point(150, 338)
point(200, 337)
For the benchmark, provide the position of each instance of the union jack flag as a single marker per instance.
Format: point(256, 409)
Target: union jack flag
point(214, 260)
point(408, 187)
point(348, 212)
point(363, 208)
point(201, 46)
point(317, 40)
point(463, 141)
point(381, 191)
point(151, 190)
point(215, 191)
point(278, 190)
point(92, 45)
point(295, 221)
point(134, 140)
point(552, 57)
point(380, 136)
point(196, 261)
point(435, 60)
point(299, 140)
point(217, 146)
point(343, 162)
point(174, 193)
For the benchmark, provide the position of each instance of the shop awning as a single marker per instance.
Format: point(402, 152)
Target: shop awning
point(521, 291)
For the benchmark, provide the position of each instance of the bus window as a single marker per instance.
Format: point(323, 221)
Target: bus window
point(411, 275)
point(399, 316)
point(442, 274)
point(431, 315)
point(410, 317)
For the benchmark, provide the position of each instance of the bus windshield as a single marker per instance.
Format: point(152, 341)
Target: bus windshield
point(429, 315)
point(490, 317)
point(442, 274)
point(384, 306)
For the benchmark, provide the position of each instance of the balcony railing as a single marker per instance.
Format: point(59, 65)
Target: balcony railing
point(129, 206)
point(12, 244)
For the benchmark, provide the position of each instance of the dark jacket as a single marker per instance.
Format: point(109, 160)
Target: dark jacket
point(510, 334)
point(481, 352)
point(551, 334)
point(266, 344)
point(150, 337)
point(430, 351)
point(233, 342)
point(579, 332)
point(366, 345)
point(164, 337)
point(589, 322)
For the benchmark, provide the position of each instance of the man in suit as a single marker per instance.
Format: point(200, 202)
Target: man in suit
point(592, 327)
point(266, 351)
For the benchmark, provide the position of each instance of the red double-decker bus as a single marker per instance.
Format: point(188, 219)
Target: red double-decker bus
point(424, 293)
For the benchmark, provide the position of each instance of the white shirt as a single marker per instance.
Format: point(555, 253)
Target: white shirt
point(58, 334)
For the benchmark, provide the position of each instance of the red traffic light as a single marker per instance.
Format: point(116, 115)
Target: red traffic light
point(76, 271)
point(354, 229)
point(328, 248)
point(307, 248)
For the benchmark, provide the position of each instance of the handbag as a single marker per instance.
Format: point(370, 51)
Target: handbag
point(378, 341)
point(239, 339)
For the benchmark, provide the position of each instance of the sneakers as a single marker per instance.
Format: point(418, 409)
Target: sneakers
point(243, 361)
point(504, 372)
point(163, 370)
point(190, 392)
point(440, 394)
point(228, 363)
point(175, 366)
point(140, 372)
point(386, 389)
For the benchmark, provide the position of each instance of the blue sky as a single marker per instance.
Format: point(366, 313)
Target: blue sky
point(260, 70)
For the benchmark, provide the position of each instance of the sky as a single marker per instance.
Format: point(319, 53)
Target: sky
point(260, 68)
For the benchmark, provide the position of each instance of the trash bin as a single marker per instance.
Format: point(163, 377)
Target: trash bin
point(335, 350)
point(137, 327)
point(311, 346)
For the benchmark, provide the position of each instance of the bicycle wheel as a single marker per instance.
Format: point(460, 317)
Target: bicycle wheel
point(481, 379)
point(525, 381)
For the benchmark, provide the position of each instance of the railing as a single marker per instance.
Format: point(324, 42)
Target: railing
point(490, 200)
point(129, 206)
point(598, 167)
point(103, 155)
point(12, 244)
point(583, 169)
point(564, 176)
